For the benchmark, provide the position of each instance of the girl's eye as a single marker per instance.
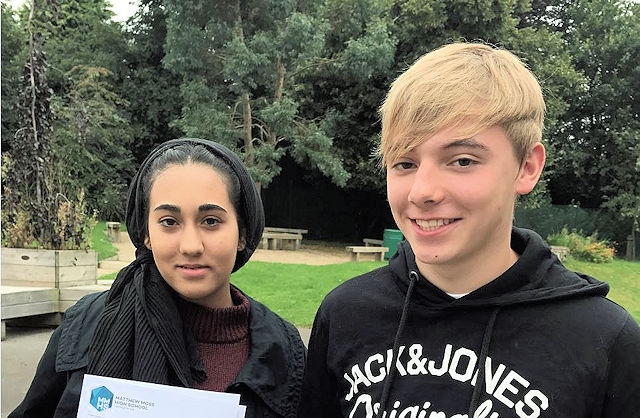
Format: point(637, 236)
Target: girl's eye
point(211, 221)
point(168, 222)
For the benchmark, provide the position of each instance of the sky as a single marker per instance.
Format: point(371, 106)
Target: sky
point(123, 9)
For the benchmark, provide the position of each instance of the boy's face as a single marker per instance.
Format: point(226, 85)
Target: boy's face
point(453, 197)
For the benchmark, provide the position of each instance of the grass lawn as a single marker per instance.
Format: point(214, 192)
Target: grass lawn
point(100, 241)
point(623, 278)
point(295, 291)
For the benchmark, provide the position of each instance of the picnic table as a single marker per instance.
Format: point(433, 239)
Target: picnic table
point(276, 238)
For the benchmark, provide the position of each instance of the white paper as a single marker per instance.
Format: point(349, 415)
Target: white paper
point(109, 397)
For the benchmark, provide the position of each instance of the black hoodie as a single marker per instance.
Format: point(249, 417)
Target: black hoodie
point(550, 345)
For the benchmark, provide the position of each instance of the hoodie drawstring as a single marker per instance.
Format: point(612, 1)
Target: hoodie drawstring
point(413, 279)
point(484, 352)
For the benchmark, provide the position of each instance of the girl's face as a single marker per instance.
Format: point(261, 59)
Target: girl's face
point(193, 233)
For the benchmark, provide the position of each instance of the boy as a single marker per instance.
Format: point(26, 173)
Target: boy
point(472, 317)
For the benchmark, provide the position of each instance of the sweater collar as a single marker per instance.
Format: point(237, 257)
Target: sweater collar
point(218, 325)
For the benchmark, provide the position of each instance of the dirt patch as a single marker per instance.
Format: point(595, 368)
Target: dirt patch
point(306, 254)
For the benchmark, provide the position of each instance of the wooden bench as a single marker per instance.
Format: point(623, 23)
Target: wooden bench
point(370, 242)
point(113, 231)
point(23, 301)
point(559, 251)
point(280, 241)
point(285, 230)
point(356, 251)
point(41, 306)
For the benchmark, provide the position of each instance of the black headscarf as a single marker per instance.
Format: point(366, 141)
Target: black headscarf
point(141, 335)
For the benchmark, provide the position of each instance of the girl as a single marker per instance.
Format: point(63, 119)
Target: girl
point(171, 316)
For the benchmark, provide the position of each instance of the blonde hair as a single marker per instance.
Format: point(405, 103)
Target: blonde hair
point(468, 85)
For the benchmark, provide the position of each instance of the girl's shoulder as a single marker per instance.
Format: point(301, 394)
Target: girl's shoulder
point(77, 328)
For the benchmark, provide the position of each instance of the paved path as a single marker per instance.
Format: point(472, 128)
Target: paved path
point(23, 347)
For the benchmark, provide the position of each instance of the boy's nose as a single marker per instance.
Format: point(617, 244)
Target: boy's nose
point(426, 187)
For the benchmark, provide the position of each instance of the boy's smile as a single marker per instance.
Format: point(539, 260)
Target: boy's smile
point(453, 198)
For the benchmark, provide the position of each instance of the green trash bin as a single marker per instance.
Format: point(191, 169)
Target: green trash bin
point(390, 239)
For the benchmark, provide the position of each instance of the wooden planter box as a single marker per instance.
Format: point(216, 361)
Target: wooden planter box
point(48, 268)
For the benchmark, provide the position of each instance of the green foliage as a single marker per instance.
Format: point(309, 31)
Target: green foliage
point(91, 140)
point(596, 151)
point(241, 71)
point(585, 248)
point(550, 219)
point(51, 156)
point(13, 39)
point(73, 226)
point(151, 91)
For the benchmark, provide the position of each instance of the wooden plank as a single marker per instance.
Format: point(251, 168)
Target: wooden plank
point(24, 301)
point(16, 295)
point(368, 242)
point(48, 268)
point(70, 295)
point(77, 258)
point(280, 240)
point(356, 251)
point(30, 309)
point(77, 275)
point(28, 257)
point(286, 230)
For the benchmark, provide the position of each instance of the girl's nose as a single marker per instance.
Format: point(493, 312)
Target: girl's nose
point(191, 241)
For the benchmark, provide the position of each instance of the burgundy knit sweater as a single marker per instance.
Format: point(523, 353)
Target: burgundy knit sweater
point(222, 335)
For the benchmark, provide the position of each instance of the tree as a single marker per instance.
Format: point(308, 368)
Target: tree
point(92, 141)
point(152, 91)
point(13, 41)
point(34, 212)
point(597, 152)
point(91, 134)
point(240, 62)
point(348, 87)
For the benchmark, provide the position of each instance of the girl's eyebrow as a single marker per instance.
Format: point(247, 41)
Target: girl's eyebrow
point(466, 143)
point(202, 208)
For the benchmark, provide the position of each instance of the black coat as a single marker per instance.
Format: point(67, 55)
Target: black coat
point(269, 382)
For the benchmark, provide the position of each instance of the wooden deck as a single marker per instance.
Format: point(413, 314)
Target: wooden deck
point(23, 302)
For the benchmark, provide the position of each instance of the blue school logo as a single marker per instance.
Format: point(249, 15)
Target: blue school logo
point(101, 398)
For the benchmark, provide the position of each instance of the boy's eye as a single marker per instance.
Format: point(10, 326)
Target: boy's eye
point(403, 165)
point(464, 162)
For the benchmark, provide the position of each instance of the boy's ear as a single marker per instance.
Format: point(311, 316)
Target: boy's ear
point(531, 169)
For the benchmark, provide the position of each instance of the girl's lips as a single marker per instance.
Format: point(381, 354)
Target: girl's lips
point(192, 270)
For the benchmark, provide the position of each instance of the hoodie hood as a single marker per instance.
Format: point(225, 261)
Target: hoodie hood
point(537, 276)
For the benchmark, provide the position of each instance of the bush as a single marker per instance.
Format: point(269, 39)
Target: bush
point(548, 220)
point(585, 248)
